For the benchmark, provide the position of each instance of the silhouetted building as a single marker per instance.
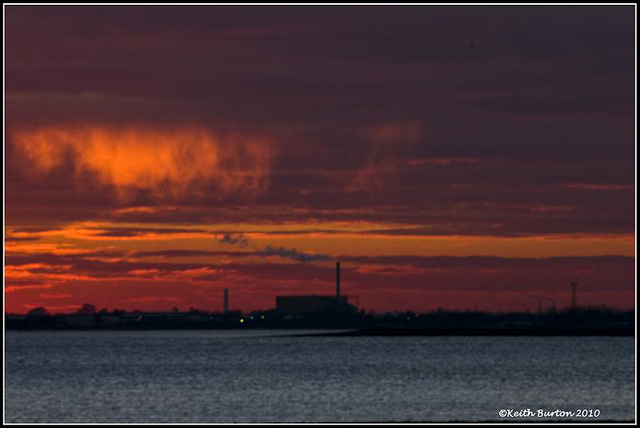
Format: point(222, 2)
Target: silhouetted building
point(313, 304)
point(307, 304)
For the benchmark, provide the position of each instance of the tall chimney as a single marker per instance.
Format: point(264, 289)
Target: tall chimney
point(574, 299)
point(337, 280)
point(225, 304)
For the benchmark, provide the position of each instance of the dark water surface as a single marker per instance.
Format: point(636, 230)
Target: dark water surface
point(218, 376)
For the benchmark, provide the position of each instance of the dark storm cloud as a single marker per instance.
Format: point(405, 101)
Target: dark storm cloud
point(124, 232)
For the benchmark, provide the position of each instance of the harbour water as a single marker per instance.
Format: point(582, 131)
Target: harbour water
point(267, 376)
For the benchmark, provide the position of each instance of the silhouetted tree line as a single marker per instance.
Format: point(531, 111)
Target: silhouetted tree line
point(586, 319)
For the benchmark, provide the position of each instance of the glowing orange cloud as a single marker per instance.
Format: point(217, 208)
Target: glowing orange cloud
point(165, 162)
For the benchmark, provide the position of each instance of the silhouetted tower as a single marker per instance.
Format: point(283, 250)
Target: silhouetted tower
point(574, 299)
point(225, 304)
point(337, 280)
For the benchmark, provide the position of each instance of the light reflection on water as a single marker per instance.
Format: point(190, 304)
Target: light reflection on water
point(261, 376)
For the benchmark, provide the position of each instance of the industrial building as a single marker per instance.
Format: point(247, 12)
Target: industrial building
point(314, 304)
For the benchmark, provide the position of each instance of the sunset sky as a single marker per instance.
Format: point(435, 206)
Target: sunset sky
point(453, 157)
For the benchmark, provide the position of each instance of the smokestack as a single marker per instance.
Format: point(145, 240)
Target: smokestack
point(225, 304)
point(337, 280)
point(574, 299)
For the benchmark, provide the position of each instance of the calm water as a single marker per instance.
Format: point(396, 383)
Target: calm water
point(208, 376)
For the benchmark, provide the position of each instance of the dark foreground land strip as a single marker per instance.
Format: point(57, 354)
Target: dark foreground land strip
point(619, 332)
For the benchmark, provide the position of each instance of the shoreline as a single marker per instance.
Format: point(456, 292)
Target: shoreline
point(484, 332)
point(385, 332)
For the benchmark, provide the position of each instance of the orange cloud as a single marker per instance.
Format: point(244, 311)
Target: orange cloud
point(164, 162)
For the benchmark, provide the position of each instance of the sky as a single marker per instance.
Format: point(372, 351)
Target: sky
point(457, 157)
